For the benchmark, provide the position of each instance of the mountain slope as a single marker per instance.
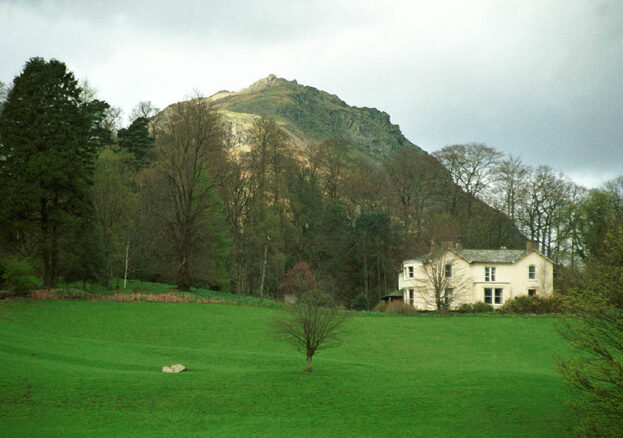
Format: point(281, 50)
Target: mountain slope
point(310, 116)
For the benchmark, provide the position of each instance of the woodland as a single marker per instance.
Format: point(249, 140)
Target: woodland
point(169, 199)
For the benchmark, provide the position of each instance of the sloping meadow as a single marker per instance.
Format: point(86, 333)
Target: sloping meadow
point(93, 368)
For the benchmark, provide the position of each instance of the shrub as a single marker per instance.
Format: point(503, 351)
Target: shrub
point(481, 307)
point(400, 308)
point(360, 302)
point(381, 306)
point(521, 304)
point(465, 308)
point(18, 276)
point(539, 305)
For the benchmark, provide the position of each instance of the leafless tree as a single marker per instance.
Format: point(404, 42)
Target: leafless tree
point(4, 92)
point(543, 208)
point(144, 109)
point(414, 179)
point(444, 281)
point(332, 156)
point(510, 179)
point(189, 143)
point(314, 323)
point(471, 168)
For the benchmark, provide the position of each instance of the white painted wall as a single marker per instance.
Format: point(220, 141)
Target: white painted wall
point(512, 278)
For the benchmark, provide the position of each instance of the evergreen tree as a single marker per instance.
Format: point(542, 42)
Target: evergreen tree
point(136, 139)
point(48, 143)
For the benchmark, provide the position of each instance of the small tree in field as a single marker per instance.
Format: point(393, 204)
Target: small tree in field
point(315, 322)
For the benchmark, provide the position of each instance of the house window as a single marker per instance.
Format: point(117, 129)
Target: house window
point(493, 296)
point(531, 292)
point(410, 296)
point(410, 271)
point(532, 272)
point(449, 295)
point(448, 271)
point(490, 273)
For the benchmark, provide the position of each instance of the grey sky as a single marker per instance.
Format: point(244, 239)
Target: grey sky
point(541, 80)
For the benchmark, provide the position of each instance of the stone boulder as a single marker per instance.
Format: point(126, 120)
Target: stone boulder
point(177, 368)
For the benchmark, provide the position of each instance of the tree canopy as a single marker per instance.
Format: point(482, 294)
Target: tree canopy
point(48, 141)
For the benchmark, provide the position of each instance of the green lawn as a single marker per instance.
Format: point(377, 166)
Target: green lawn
point(92, 368)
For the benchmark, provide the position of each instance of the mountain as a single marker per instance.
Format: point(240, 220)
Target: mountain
point(309, 116)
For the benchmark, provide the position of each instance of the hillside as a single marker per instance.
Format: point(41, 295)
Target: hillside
point(310, 116)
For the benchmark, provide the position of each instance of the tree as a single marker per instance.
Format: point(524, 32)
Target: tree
point(471, 168)
point(510, 179)
point(4, 91)
point(189, 146)
point(315, 322)
point(414, 180)
point(373, 253)
point(145, 110)
point(541, 209)
point(48, 142)
point(595, 330)
point(332, 157)
point(297, 281)
point(444, 282)
point(116, 204)
point(262, 244)
point(137, 140)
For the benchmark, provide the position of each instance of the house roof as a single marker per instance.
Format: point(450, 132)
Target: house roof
point(491, 255)
point(395, 293)
point(484, 255)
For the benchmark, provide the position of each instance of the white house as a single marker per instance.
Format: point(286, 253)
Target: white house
point(459, 276)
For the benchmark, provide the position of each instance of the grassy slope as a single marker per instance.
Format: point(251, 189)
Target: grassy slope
point(93, 369)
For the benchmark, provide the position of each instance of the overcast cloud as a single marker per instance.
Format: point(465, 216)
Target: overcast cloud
point(541, 80)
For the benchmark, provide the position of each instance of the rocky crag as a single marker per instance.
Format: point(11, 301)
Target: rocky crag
point(309, 116)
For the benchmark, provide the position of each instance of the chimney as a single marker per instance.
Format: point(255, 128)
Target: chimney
point(458, 245)
point(502, 247)
point(532, 244)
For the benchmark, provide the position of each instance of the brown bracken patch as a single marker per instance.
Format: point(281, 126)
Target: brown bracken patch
point(53, 294)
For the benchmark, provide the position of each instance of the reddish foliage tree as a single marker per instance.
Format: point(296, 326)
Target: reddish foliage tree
point(297, 281)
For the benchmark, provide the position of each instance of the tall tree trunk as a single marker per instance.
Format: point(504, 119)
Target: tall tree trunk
point(54, 257)
point(365, 268)
point(127, 258)
point(45, 243)
point(263, 272)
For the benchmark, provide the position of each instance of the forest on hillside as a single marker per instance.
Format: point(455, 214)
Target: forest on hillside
point(166, 199)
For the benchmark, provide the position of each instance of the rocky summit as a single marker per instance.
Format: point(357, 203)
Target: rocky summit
point(309, 116)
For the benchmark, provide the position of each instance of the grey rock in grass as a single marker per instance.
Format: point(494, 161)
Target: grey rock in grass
point(177, 368)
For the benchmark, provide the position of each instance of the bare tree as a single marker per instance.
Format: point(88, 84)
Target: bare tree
point(315, 322)
point(4, 92)
point(414, 180)
point(145, 109)
point(511, 176)
point(471, 168)
point(443, 282)
point(112, 119)
point(543, 208)
point(189, 145)
point(333, 157)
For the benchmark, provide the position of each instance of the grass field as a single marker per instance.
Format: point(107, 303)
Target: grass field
point(92, 368)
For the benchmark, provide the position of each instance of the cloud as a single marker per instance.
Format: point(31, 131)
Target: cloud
point(538, 79)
